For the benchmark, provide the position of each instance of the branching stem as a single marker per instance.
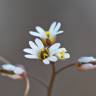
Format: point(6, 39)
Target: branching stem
point(65, 67)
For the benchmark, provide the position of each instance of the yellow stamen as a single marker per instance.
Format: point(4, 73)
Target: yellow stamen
point(44, 53)
point(48, 34)
point(50, 39)
point(61, 55)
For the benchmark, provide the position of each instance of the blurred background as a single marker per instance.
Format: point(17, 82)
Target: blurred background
point(78, 18)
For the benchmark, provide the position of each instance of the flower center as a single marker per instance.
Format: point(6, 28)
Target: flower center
point(50, 39)
point(48, 34)
point(44, 53)
point(61, 55)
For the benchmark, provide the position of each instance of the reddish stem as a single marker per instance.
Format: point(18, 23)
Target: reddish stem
point(52, 80)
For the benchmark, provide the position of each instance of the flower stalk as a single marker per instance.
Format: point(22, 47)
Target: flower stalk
point(27, 86)
point(65, 67)
point(52, 80)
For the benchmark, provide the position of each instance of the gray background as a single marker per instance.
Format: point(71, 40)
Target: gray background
point(78, 18)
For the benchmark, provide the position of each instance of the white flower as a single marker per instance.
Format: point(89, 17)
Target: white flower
point(50, 35)
point(38, 51)
point(62, 54)
point(14, 72)
point(8, 67)
point(86, 59)
point(86, 63)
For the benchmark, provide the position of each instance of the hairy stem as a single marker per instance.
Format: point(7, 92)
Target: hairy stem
point(52, 80)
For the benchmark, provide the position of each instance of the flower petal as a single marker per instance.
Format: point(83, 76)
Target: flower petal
point(86, 59)
point(35, 34)
point(31, 56)
point(46, 61)
point(19, 70)
point(52, 58)
point(67, 55)
point(33, 45)
point(62, 49)
point(30, 51)
point(54, 47)
point(59, 32)
point(52, 27)
point(8, 67)
point(57, 27)
point(39, 43)
point(41, 31)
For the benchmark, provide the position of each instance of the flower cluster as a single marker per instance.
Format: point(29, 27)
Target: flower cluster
point(45, 47)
